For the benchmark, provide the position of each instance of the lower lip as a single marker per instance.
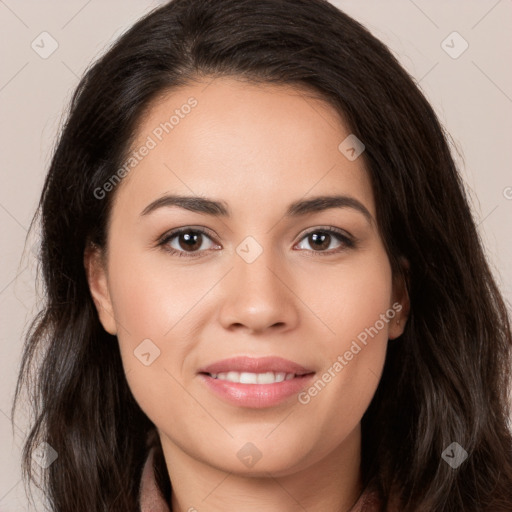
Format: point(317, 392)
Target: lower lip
point(256, 396)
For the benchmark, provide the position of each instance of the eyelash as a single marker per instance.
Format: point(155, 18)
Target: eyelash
point(348, 242)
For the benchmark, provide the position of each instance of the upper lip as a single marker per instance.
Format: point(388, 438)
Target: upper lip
point(255, 365)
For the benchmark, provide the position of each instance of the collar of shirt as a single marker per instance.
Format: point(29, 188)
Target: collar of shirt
point(151, 500)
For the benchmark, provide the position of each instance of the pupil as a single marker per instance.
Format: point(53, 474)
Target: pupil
point(191, 239)
point(320, 238)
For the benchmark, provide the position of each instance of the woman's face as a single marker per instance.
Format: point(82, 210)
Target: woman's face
point(278, 273)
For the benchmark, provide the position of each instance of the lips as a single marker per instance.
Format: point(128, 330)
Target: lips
point(245, 364)
point(255, 382)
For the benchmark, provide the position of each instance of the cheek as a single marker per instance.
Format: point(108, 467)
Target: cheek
point(151, 297)
point(156, 307)
point(350, 298)
point(355, 303)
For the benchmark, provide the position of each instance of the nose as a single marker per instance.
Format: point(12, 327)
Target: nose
point(257, 296)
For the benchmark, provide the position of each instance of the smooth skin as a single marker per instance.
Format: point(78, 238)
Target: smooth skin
point(256, 148)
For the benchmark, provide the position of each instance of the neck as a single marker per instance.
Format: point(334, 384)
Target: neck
point(330, 484)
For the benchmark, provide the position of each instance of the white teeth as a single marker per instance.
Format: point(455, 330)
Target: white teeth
point(280, 376)
point(253, 378)
point(266, 378)
point(232, 376)
point(246, 378)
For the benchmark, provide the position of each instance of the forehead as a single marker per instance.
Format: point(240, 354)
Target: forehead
point(254, 145)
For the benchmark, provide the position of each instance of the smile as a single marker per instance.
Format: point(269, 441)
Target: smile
point(253, 378)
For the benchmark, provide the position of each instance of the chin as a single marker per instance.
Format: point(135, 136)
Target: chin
point(256, 456)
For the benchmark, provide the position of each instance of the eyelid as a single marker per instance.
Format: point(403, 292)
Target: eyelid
point(329, 229)
point(176, 231)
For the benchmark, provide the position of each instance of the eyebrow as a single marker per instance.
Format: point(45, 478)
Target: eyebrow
point(221, 209)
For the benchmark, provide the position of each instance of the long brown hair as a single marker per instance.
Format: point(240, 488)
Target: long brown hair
point(446, 379)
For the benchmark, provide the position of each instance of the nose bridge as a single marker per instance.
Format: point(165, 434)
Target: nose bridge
point(254, 269)
point(256, 296)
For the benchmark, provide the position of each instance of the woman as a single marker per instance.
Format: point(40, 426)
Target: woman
point(265, 289)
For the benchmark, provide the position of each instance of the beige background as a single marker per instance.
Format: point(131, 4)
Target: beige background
point(472, 95)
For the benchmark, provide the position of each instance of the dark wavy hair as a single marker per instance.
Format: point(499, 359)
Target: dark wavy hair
point(445, 380)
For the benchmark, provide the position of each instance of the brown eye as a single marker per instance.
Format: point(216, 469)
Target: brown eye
point(320, 240)
point(190, 240)
point(186, 240)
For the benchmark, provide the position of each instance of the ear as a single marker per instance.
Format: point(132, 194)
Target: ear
point(96, 272)
point(400, 301)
